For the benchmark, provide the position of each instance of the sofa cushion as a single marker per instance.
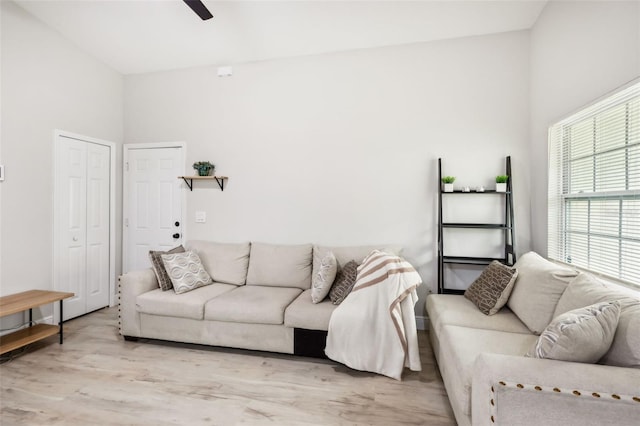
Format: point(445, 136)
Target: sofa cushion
point(586, 290)
point(187, 305)
point(582, 335)
point(452, 309)
point(348, 253)
point(158, 266)
point(463, 345)
point(251, 304)
point(303, 313)
point(186, 271)
point(226, 263)
point(538, 288)
point(280, 265)
point(491, 290)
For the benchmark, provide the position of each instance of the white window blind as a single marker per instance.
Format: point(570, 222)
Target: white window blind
point(594, 187)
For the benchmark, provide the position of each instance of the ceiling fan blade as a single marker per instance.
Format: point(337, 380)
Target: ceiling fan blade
point(199, 8)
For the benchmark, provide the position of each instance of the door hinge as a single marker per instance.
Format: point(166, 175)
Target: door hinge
point(127, 165)
point(126, 223)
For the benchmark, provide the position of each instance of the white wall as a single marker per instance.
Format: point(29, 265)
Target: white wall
point(331, 149)
point(47, 83)
point(341, 149)
point(580, 51)
point(1, 158)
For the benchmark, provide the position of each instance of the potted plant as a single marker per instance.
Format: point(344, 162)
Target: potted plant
point(203, 168)
point(448, 183)
point(501, 183)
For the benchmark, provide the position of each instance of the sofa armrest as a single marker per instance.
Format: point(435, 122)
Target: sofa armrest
point(130, 286)
point(515, 390)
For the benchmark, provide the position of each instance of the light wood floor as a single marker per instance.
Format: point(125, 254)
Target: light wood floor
point(96, 377)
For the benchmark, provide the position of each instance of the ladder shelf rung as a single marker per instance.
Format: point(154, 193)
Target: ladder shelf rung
point(469, 260)
point(452, 291)
point(477, 225)
point(486, 191)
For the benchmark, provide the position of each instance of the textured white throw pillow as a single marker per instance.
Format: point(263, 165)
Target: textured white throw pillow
point(323, 278)
point(581, 335)
point(586, 290)
point(186, 271)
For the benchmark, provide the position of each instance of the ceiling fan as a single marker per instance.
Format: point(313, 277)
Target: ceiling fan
point(199, 8)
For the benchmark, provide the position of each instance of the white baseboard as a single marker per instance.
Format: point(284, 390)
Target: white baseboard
point(422, 322)
point(45, 320)
point(19, 321)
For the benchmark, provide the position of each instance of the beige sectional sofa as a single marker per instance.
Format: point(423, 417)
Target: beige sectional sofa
point(260, 299)
point(488, 379)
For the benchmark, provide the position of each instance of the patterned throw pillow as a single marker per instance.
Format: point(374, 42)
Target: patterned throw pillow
point(158, 267)
point(581, 335)
point(323, 279)
point(491, 290)
point(345, 280)
point(186, 271)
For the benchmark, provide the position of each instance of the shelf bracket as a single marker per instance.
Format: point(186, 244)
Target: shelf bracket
point(189, 182)
point(220, 181)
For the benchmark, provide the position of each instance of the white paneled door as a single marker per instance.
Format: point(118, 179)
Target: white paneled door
point(153, 204)
point(83, 224)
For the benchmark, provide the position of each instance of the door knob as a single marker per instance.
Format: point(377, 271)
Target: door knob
point(176, 235)
point(177, 223)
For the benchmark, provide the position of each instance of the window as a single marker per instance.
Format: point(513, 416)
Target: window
point(594, 187)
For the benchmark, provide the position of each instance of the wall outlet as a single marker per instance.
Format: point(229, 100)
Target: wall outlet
point(225, 71)
point(201, 217)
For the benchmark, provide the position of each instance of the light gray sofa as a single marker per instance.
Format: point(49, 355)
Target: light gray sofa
point(260, 299)
point(488, 379)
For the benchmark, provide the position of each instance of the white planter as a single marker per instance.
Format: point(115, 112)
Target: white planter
point(501, 187)
point(448, 187)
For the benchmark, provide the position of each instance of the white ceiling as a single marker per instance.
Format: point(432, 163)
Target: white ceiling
point(137, 36)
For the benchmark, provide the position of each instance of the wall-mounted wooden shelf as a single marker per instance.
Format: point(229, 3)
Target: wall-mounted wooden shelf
point(189, 180)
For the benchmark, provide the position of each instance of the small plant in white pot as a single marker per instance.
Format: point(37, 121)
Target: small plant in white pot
point(448, 183)
point(501, 183)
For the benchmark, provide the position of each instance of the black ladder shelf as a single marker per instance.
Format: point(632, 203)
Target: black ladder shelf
point(507, 226)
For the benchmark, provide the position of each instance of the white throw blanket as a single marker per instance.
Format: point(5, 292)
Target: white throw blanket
point(374, 328)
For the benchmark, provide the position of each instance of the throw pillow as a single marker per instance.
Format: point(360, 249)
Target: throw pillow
point(345, 280)
point(323, 278)
point(586, 290)
point(491, 290)
point(537, 289)
point(186, 271)
point(158, 267)
point(344, 254)
point(581, 335)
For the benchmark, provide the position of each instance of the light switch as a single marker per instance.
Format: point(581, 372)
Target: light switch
point(201, 217)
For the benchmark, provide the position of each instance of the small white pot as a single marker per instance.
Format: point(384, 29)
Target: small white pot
point(501, 187)
point(448, 187)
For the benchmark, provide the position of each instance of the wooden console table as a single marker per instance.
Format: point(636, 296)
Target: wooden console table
point(20, 302)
